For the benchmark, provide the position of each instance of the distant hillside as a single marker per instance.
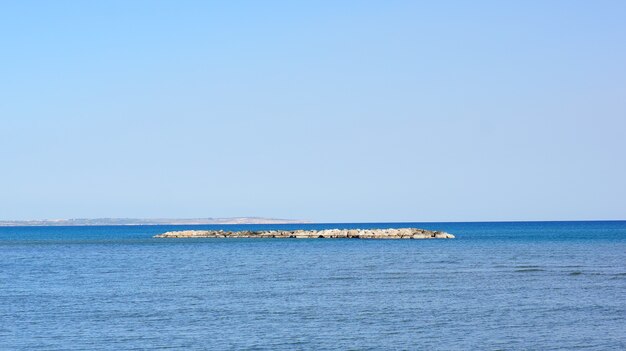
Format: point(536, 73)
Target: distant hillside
point(149, 221)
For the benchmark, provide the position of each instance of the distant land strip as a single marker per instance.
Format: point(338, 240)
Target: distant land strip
point(147, 221)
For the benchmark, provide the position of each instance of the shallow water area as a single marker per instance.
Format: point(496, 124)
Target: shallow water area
point(513, 286)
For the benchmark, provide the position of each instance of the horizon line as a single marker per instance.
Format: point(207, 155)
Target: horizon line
point(272, 221)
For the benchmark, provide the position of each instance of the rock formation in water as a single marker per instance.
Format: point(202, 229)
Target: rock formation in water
point(400, 233)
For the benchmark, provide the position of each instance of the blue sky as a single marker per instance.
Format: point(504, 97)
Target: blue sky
point(329, 111)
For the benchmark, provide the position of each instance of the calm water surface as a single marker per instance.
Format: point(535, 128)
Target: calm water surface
point(498, 286)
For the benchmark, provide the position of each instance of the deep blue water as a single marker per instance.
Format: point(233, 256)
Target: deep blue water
point(498, 286)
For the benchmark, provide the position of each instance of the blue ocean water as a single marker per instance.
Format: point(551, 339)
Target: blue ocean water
point(497, 286)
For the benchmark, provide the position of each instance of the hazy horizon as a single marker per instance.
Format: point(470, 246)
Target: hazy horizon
point(290, 220)
point(328, 111)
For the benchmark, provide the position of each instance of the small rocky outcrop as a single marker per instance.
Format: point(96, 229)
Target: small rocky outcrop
point(395, 233)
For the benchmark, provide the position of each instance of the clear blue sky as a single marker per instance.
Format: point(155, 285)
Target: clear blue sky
point(321, 110)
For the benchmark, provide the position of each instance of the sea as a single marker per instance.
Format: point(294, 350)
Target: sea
point(497, 286)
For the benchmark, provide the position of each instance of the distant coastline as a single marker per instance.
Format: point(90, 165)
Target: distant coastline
point(147, 221)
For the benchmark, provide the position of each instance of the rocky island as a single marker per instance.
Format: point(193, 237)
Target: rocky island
point(399, 233)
